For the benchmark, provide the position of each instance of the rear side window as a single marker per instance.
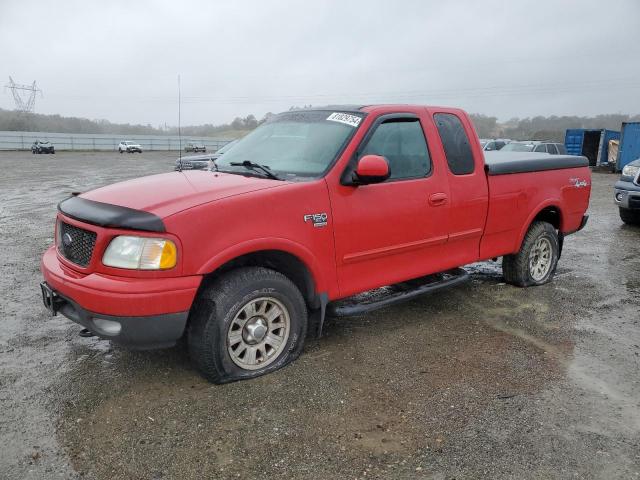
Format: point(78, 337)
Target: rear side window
point(561, 149)
point(403, 144)
point(456, 143)
point(540, 149)
point(551, 148)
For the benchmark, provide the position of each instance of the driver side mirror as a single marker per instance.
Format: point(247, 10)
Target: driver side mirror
point(371, 169)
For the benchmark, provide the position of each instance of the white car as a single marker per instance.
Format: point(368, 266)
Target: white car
point(129, 147)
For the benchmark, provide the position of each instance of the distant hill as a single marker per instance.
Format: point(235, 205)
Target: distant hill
point(535, 128)
point(545, 128)
point(37, 122)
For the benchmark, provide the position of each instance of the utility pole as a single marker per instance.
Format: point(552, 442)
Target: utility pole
point(23, 106)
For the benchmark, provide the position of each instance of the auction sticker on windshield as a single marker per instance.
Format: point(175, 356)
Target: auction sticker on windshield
point(352, 120)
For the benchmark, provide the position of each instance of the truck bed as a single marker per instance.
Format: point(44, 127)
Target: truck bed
point(504, 163)
point(523, 184)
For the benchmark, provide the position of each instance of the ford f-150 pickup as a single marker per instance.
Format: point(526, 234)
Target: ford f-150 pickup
point(305, 213)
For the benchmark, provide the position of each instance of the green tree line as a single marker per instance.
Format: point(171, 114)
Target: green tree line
point(545, 128)
point(36, 122)
point(533, 128)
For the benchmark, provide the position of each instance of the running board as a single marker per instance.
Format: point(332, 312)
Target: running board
point(400, 292)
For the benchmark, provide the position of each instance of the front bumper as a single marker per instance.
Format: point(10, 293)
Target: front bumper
point(144, 312)
point(627, 195)
point(155, 331)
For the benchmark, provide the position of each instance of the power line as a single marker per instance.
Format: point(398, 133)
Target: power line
point(497, 91)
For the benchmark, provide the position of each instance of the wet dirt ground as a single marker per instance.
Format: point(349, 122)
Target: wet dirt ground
point(482, 381)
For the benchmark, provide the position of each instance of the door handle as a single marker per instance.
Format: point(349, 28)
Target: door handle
point(437, 199)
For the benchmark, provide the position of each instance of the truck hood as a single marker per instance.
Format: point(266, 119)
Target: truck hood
point(169, 193)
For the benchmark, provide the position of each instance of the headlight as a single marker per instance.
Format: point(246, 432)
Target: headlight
point(630, 171)
point(140, 253)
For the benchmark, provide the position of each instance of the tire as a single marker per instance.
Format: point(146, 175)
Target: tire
point(528, 267)
point(219, 335)
point(120, 150)
point(630, 217)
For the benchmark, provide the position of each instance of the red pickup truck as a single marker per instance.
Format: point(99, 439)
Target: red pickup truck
point(309, 210)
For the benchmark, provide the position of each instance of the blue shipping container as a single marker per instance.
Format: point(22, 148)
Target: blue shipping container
point(591, 143)
point(629, 144)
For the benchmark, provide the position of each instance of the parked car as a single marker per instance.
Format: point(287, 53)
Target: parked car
point(491, 145)
point(195, 147)
point(129, 147)
point(535, 146)
point(307, 211)
point(201, 162)
point(627, 193)
point(42, 147)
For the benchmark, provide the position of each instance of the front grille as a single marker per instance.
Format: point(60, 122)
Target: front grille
point(76, 244)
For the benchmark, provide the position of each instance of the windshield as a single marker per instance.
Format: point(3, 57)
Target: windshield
point(517, 147)
point(294, 144)
point(225, 148)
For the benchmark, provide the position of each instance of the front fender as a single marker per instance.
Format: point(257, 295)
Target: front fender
point(271, 243)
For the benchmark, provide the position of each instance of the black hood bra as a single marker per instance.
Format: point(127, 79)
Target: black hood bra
point(111, 216)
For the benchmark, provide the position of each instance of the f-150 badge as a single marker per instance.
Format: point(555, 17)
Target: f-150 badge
point(318, 219)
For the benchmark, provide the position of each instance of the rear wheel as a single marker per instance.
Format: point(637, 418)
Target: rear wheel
point(249, 322)
point(537, 259)
point(630, 217)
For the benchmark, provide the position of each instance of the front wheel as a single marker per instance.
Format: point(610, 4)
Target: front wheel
point(630, 217)
point(249, 322)
point(535, 263)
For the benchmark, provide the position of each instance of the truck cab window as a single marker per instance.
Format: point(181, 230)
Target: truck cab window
point(456, 143)
point(551, 148)
point(540, 149)
point(403, 144)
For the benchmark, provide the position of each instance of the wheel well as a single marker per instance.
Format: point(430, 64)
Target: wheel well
point(550, 215)
point(287, 264)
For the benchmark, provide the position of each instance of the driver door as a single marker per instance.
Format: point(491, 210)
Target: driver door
point(395, 230)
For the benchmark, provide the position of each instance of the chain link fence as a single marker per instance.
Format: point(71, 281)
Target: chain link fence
point(107, 142)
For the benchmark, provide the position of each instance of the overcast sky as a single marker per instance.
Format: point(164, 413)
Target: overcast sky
point(119, 60)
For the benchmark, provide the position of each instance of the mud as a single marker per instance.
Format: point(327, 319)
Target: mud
point(484, 380)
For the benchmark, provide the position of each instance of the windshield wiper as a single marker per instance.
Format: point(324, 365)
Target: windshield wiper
point(249, 165)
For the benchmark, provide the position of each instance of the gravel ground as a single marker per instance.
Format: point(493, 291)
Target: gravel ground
point(481, 381)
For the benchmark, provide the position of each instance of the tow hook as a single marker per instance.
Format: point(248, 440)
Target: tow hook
point(86, 333)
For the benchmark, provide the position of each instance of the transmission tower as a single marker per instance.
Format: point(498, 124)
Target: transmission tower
point(17, 89)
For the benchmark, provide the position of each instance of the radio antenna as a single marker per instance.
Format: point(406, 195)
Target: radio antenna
point(179, 127)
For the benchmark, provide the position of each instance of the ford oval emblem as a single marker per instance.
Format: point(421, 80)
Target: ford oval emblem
point(67, 240)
